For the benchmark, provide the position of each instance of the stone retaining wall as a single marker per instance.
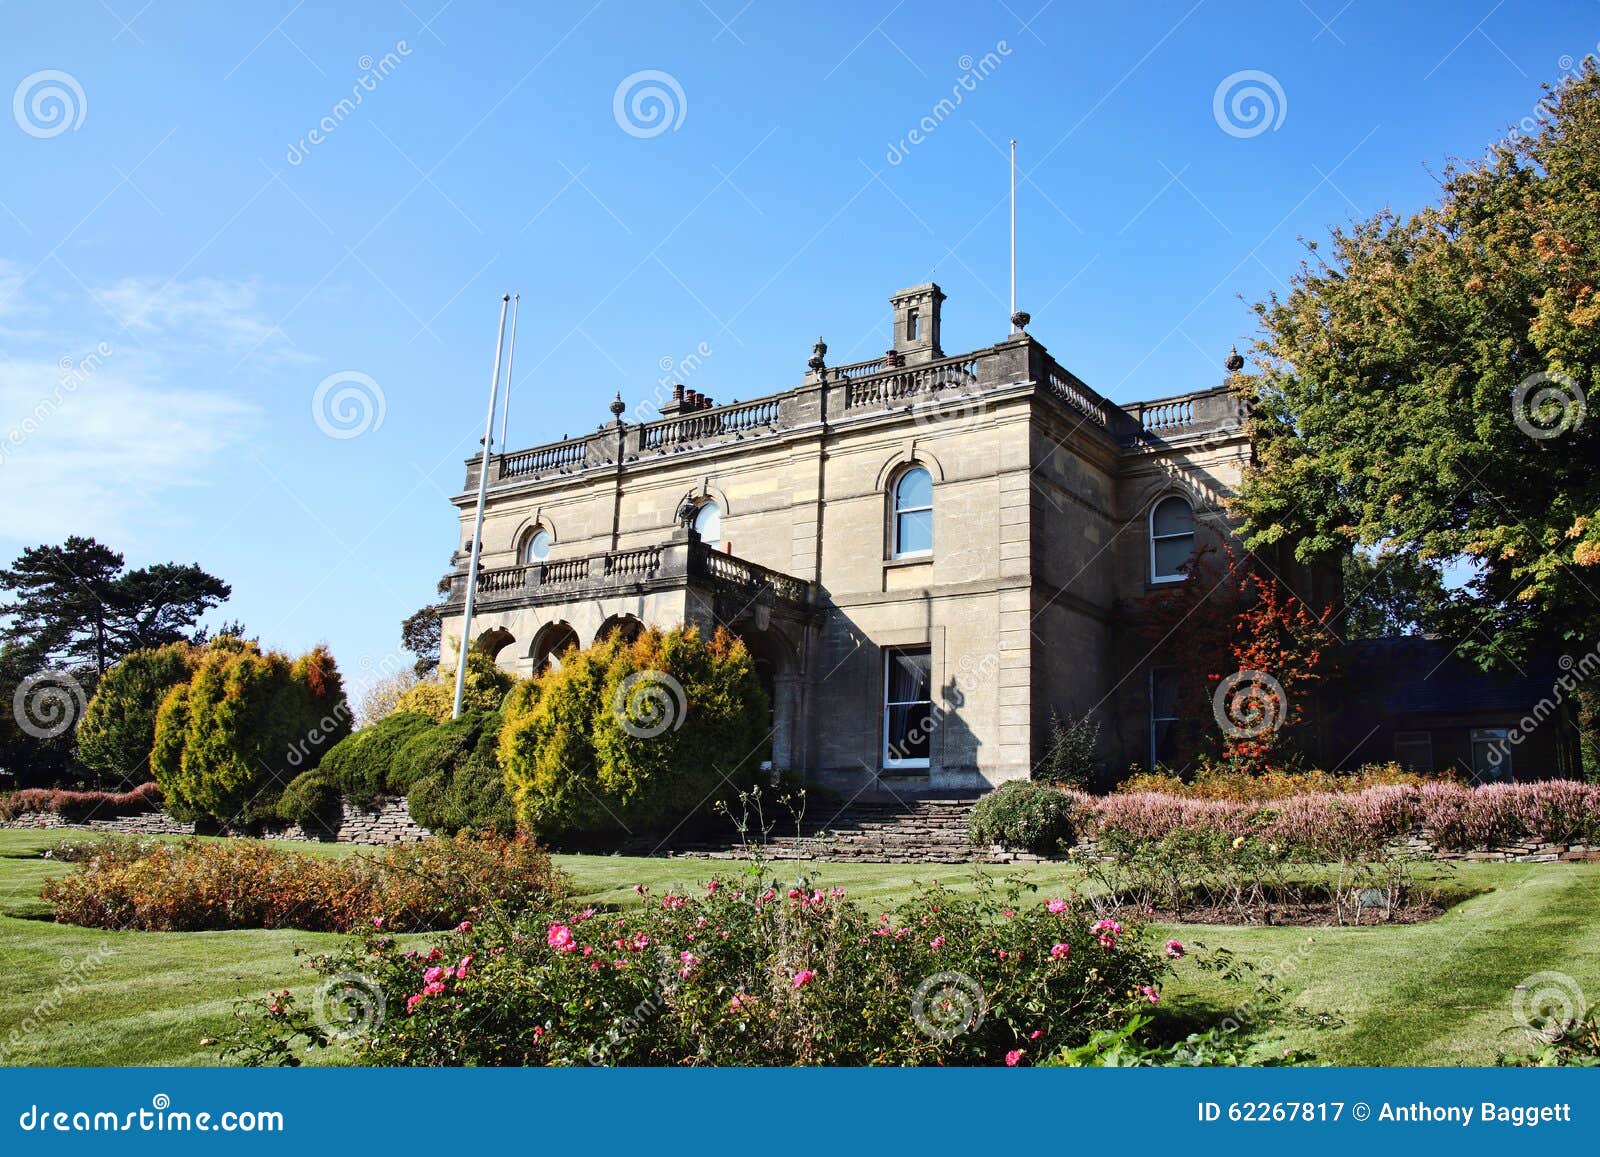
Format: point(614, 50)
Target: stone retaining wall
point(389, 822)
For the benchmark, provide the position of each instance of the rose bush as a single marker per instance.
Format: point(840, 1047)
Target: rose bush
point(742, 973)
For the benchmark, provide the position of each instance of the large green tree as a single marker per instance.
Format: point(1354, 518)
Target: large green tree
point(118, 727)
point(78, 603)
point(1425, 390)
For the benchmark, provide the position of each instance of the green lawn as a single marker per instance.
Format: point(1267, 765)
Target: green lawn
point(1434, 993)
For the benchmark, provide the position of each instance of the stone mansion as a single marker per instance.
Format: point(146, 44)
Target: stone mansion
point(925, 552)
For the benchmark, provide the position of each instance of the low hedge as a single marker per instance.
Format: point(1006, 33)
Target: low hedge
point(311, 800)
point(194, 886)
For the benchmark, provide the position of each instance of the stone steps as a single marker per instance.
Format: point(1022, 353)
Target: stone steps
point(913, 831)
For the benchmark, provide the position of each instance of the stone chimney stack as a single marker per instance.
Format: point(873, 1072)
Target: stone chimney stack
point(916, 323)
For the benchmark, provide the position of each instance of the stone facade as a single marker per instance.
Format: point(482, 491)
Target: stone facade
point(1041, 513)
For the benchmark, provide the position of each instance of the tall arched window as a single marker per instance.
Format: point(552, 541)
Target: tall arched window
point(912, 520)
point(536, 547)
point(708, 524)
point(1171, 539)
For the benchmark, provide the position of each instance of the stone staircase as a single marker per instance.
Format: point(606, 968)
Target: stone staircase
point(910, 830)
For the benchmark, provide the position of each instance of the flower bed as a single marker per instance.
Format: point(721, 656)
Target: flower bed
point(743, 974)
point(1331, 826)
point(194, 886)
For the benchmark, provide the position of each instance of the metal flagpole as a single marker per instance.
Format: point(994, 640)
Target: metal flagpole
point(511, 357)
point(1013, 228)
point(477, 527)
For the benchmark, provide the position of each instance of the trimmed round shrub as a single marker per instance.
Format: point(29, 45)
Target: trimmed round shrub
point(312, 801)
point(118, 728)
point(468, 795)
point(630, 737)
point(363, 763)
point(440, 749)
point(1026, 817)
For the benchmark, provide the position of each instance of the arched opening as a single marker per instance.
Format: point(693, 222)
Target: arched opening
point(626, 627)
point(493, 641)
point(552, 642)
point(776, 667)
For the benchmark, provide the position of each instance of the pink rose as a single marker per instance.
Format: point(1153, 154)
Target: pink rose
point(1174, 948)
point(1151, 994)
point(803, 977)
point(1060, 951)
point(560, 937)
point(1056, 906)
point(936, 943)
point(1013, 1057)
point(464, 927)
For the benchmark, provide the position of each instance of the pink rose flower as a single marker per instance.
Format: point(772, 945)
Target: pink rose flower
point(1056, 906)
point(936, 943)
point(1060, 951)
point(803, 977)
point(1174, 948)
point(464, 927)
point(560, 937)
point(1013, 1057)
point(1151, 994)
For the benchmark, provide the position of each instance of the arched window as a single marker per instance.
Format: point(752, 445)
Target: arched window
point(1171, 539)
point(708, 524)
point(912, 521)
point(536, 547)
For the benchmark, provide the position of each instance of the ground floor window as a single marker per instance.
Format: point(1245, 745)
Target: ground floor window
point(1491, 753)
point(1166, 721)
point(1414, 750)
point(907, 706)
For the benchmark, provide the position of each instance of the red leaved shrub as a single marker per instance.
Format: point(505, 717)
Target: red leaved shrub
point(80, 806)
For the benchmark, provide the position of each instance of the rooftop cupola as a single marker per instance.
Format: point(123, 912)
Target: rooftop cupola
point(916, 322)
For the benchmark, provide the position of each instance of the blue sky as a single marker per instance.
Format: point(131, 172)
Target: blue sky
point(181, 265)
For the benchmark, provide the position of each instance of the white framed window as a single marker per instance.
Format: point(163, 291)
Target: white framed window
point(536, 547)
point(1171, 539)
point(907, 707)
point(912, 519)
point(708, 524)
point(1414, 750)
point(1491, 753)
point(1165, 719)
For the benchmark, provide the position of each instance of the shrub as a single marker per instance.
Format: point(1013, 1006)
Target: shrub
point(311, 800)
point(465, 790)
point(741, 974)
point(81, 806)
point(441, 748)
point(634, 736)
point(1070, 759)
point(118, 728)
point(362, 764)
point(1027, 816)
point(194, 886)
point(485, 689)
point(1223, 781)
point(246, 723)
